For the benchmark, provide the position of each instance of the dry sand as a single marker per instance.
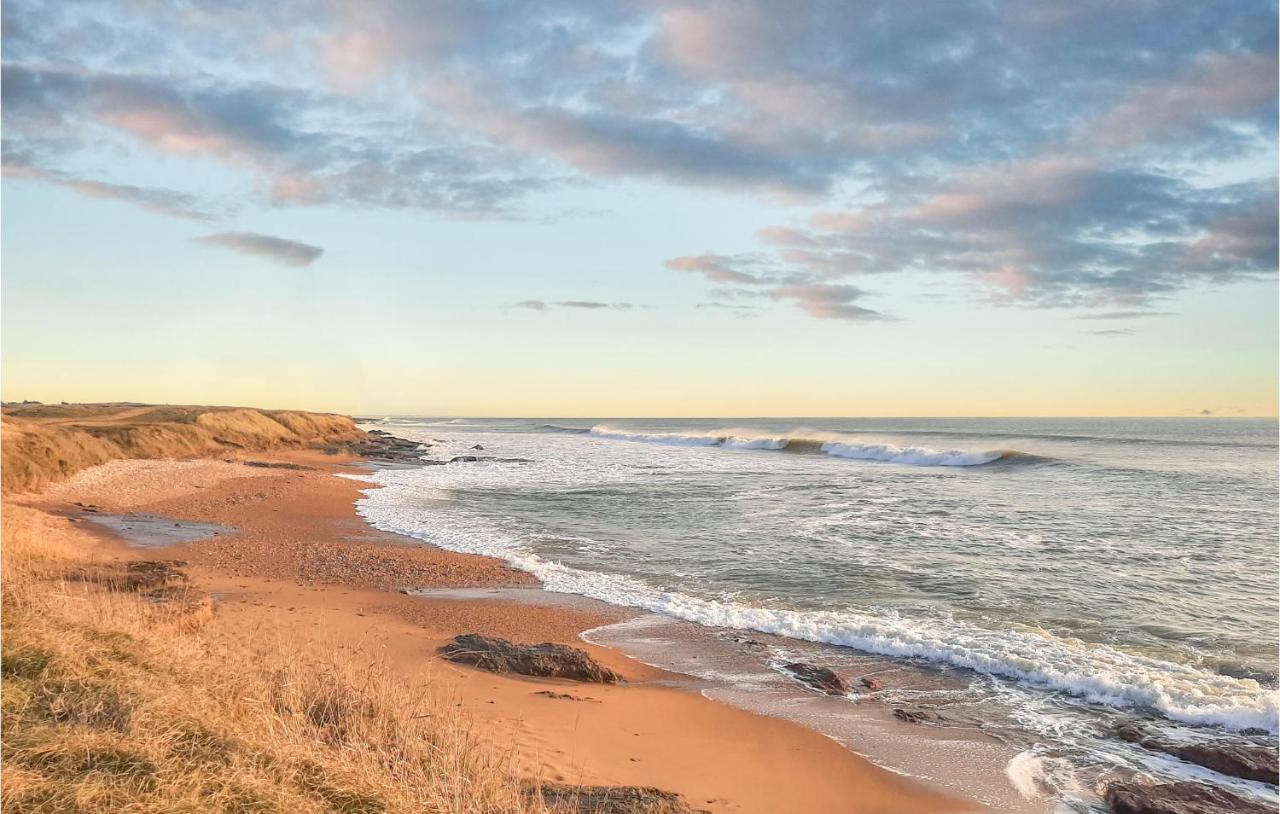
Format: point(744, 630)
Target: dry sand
point(301, 563)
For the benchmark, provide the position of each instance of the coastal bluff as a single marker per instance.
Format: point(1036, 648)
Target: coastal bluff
point(46, 443)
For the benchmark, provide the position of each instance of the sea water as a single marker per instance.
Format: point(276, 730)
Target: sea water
point(1062, 574)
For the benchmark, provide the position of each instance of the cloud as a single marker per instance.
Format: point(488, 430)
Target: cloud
point(277, 249)
point(152, 199)
point(585, 305)
point(1113, 332)
point(827, 301)
point(1107, 315)
point(720, 268)
point(1084, 155)
point(752, 276)
point(1050, 231)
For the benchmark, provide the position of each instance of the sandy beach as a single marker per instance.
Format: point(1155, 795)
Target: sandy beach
point(290, 559)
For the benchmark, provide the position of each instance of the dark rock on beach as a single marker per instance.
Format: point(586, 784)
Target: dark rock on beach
point(383, 446)
point(918, 715)
point(610, 799)
point(819, 678)
point(544, 660)
point(1179, 798)
point(1242, 760)
point(273, 465)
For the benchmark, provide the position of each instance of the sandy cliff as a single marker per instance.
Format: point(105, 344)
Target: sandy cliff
point(47, 443)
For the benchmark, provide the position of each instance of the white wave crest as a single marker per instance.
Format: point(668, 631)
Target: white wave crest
point(915, 456)
point(833, 444)
point(1097, 673)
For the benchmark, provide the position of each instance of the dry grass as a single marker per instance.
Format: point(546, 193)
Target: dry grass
point(46, 444)
point(114, 701)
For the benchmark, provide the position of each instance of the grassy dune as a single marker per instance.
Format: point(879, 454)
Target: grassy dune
point(43, 444)
point(113, 700)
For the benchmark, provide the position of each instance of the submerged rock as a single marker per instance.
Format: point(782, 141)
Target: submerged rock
point(1179, 798)
point(819, 678)
point(1237, 760)
point(1233, 759)
point(918, 715)
point(545, 660)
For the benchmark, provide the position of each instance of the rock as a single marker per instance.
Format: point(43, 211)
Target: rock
point(918, 715)
point(135, 576)
point(383, 446)
point(563, 696)
point(477, 446)
point(1242, 760)
point(1179, 798)
point(1234, 759)
point(610, 799)
point(1253, 731)
point(273, 465)
point(870, 683)
point(819, 678)
point(547, 660)
point(463, 459)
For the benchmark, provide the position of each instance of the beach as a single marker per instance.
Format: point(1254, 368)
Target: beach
point(293, 560)
point(676, 616)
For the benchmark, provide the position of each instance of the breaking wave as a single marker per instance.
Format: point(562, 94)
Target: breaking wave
point(833, 444)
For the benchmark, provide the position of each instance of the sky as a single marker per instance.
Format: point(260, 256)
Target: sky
point(643, 207)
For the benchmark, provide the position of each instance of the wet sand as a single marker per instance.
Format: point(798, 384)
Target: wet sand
point(294, 560)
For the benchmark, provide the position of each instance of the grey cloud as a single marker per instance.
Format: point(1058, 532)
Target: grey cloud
point(277, 249)
point(719, 268)
point(152, 199)
point(269, 134)
point(826, 301)
point(585, 305)
point(752, 276)
point(1050, 231)
point(1107, 315)
point(1113, 332)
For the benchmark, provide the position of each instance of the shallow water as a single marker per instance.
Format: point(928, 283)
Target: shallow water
point(1066, 573)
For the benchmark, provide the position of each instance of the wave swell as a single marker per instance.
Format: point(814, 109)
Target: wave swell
point(833, 444)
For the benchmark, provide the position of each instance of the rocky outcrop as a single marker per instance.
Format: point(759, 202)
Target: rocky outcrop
point(385, 447)
point(1179, 798)
point(1242, 760)
point(544, 660)
point(610, 799)
point(819, 678)
point(871, 683)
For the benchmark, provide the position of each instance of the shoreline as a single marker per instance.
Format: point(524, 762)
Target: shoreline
point(300, 553)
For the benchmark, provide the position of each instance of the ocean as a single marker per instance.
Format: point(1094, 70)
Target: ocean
point(1036, 580)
